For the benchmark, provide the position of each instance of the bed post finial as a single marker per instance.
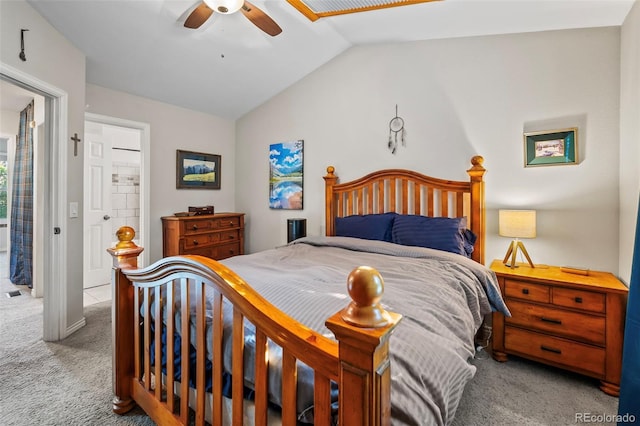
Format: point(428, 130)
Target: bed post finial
point(125, 237)
point(125, 256)
point(477, 160)
point(330, 212)
point(125, 253)
point(365, 286)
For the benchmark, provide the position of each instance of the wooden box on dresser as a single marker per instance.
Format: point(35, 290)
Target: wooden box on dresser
point(571, 321)
point(217, 236)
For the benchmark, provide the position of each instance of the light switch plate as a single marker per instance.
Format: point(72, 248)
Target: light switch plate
point(73, 209)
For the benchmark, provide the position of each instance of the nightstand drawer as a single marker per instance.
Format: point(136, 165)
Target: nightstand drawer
point(574, 325)
point(586, 300)
point(572, 355)
point(527, 291)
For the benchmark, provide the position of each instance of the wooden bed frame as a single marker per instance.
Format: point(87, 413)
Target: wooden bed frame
point(358, 362)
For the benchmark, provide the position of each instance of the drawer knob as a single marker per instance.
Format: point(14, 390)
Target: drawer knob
point(578, 299)
point(195, 227)
point(230, 237)
point(551, 320)
point(548, 349)
point(525, 291)
point(195, 242)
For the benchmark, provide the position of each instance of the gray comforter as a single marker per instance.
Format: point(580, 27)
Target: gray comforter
point(442, 296)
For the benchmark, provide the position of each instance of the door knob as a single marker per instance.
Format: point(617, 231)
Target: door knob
point(106, 217)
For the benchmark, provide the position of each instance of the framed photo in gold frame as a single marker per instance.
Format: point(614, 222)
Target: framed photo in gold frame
point(551, 147)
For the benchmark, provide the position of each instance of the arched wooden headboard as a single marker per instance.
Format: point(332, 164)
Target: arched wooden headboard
point(410, 192)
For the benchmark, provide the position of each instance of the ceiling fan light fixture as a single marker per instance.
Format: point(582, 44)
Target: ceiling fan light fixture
point(225, 7)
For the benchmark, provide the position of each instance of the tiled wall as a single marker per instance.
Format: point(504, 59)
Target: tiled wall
point(125, 196)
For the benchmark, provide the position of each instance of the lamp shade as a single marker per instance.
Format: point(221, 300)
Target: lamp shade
point(517, 223)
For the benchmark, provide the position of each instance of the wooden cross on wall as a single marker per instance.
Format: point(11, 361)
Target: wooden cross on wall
point(75, 140)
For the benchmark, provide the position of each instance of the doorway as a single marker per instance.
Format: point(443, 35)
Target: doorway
point(52, 168)
point(14, 100)
point(116, 194)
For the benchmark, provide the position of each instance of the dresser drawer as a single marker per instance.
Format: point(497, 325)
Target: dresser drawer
point(226, 222)
point(198, 226)
point(194, 241)
point(200, 251)
point(226, 250)
point(527, 291)
point(572, 355)
point(585, 300)
point(226, 236)
point(574, 325)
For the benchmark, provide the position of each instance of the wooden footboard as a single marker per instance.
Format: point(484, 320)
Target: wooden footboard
point(145, 304)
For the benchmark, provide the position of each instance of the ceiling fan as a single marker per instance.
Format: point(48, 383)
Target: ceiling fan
point(207, 7)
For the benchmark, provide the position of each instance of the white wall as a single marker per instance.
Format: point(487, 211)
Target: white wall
point(55, 61)
point(173, 128)
point(458, 97)
point(629, 137)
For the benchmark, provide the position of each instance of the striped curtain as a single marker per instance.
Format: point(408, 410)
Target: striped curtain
point(21, 258)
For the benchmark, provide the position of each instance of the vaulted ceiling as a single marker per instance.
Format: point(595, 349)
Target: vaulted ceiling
point(228, 66)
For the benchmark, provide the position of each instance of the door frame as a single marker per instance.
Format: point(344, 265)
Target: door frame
point(55, 201)
point(145, 172)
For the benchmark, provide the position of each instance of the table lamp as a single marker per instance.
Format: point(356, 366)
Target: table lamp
point(517, 224)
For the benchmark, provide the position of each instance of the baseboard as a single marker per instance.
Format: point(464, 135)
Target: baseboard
point(75, 327)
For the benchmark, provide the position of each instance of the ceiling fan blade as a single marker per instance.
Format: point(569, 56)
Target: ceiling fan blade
point(198, 17)
point(261, 19)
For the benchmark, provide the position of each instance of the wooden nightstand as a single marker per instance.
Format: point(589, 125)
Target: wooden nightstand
point(571, 321)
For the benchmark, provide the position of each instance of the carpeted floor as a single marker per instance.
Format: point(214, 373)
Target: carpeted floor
point(521, 392)
point(62, 383)
point(69, 382)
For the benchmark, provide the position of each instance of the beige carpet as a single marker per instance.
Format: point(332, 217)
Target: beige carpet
point(63, 383)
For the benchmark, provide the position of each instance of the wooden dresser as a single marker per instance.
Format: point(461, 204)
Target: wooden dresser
point(571, 321)
point(217, 236)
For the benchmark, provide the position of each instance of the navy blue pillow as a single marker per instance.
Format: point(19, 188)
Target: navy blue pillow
point(469, 239)
point(441, 233)
point(368, 227)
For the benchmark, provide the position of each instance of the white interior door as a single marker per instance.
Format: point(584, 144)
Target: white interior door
point(97, 206)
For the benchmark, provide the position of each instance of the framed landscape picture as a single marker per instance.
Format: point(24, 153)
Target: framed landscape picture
point(552, 147)
point(286, 175)
point(196, 170)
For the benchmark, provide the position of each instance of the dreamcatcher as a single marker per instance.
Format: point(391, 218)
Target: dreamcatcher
point(396, 131)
